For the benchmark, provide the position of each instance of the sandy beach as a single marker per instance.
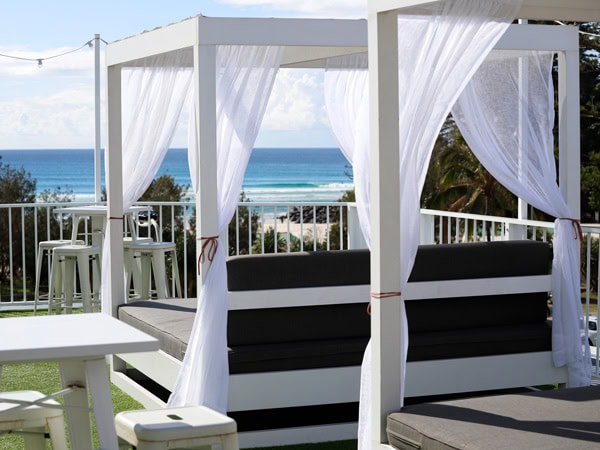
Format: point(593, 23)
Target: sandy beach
point(308, 230)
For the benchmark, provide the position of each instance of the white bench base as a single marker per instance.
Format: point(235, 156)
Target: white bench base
point(170, 428)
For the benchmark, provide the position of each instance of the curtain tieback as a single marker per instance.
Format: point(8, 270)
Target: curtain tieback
point(115, 217)
point(381, 295)
point(208, 250)
point(576, 226)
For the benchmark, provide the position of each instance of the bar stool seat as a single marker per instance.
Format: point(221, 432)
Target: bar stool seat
point(66, 259)
point(33, 419)
point(45, 251)
point(133, 272)
point(153, 258)
point(169, 428)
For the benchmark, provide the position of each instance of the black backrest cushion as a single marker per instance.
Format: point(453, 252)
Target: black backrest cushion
point(481, 260)
point(295, 270)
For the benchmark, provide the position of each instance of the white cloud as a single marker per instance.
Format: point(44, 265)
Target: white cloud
point(311, 8)
point(296, 102)
point(64, 119)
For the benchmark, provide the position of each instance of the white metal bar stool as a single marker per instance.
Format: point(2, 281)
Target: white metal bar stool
point(45, 252)
point(33, 420)
point(188, 427)
point(66, 259)
point(133, 271)
point(153, 257)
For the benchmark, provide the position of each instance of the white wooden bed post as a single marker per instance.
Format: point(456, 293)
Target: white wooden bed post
point(114, 190)
point(385, 219)
point(569, 126)
point(206, 124)
point(384, 216)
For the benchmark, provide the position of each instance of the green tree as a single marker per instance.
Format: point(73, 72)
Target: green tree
point(242, 229)
point(16, 186)
point(589, 44)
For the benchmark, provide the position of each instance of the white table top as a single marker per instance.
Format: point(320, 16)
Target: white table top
point(44, 338)
point(95, 210)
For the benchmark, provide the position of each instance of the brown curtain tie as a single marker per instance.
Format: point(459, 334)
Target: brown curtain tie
point(576, 226)
point(381, 295)
point(209, 249)
point(115, 218)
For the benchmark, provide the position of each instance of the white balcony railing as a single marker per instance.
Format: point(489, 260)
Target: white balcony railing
point(263, 228)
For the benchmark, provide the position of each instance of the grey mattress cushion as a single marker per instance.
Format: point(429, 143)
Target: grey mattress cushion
point(559, 419)
point(169, 321)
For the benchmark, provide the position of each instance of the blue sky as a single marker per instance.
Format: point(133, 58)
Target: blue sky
point(53, 106)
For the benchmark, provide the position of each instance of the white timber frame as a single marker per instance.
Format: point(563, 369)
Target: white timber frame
point(308, 43)
point(385, 191)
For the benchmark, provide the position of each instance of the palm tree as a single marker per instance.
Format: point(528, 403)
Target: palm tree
point(457, 181)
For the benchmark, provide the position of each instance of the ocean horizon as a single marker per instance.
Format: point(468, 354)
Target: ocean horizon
point(273, 174)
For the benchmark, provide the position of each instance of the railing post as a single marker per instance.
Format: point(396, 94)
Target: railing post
point(427, 232)
point(516, 232)
point(355, 236)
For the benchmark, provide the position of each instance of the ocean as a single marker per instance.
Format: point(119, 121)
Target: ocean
point(273, 174)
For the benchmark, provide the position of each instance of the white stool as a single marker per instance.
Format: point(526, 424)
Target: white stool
point(133, 272)
point(65, 260)
point(45, 251)
point(153, 256)
point(32, 420)
point(186, 427)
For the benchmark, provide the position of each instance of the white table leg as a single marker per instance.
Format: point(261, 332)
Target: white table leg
point(99, 387)
point(72, 372)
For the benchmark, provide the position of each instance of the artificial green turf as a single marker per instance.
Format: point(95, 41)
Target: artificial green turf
point(44, 377)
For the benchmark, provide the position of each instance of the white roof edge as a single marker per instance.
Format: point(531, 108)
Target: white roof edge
point(570, 10)
point(539, 38)
point(239, 31)
point(154, 42)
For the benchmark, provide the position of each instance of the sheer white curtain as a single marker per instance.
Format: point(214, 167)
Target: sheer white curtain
point(506, 114)
point(346, 89)
point(245, 77)
point(153, 97)
point(438, 54)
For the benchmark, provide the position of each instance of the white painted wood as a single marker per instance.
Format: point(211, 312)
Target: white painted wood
point(72, 372)
point(335, 295)
point(206, 115)
point(79, 342)
point(68, 336)
point(160, 40)
point(476, 287)
point(160, 366)
point(307, 40)
point(114, 191)
point(385, 220)
point(290, 436)
point(293, 388)
point(284, 298)
point(136, 391)
point(444, 376)
point(574, 10)
point(569, 124)
point(98, 386)
point(539, 37)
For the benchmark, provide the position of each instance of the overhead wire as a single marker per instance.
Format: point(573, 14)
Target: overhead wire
point(40, 61)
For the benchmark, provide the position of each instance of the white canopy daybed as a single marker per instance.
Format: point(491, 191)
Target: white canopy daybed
point(428, 69)
point(228, 65)
point(206, 44)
